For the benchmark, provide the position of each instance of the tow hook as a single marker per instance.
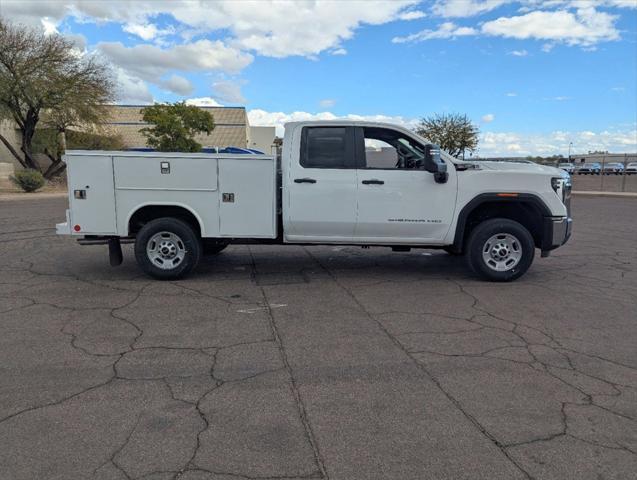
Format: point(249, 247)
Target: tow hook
point(115, 255)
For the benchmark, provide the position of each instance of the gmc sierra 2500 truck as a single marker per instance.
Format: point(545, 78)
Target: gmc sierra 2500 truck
point(338, 183)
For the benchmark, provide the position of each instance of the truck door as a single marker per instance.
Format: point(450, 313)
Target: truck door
point(398, 201)
point(321, 186)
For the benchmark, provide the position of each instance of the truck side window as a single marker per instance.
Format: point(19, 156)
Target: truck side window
point(325, 147)
point(388, 150)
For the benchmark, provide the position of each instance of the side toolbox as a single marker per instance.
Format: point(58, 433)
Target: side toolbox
point(91, 194)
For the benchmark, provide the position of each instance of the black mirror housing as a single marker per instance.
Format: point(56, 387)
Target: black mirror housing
point(434, 164)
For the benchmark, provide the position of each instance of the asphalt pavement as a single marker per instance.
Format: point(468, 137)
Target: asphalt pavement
point(317, 362)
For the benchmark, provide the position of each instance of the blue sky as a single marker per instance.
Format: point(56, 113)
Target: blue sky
point(535, 75)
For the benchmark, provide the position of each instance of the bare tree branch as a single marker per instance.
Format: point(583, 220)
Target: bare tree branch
point(43, 79)
point(13, 151)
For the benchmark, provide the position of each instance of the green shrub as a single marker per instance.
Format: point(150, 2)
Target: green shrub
point(29, 180)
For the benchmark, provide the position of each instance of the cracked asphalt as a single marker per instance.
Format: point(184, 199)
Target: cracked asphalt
point(317, 362)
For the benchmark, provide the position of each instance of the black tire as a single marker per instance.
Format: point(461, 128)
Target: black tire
point(515, 239)
point(213, 246)
point(181, 236)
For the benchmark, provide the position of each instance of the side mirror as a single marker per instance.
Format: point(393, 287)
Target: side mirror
point(434, 164)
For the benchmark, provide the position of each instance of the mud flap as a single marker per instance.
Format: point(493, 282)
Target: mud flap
point(115, 255)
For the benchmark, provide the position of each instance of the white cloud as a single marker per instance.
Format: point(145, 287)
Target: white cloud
point(618, 140)
point(269, 27)
point(327, 103)
point(412, 15)
point(178, 85)
point(519, 53)
point(585, 27)
point(146, 31)
point(511, 94)
point(445, 30)
point(203, 102)
point(131, 90)
point(78, 40)
point(32, 12)
point(339, 51)
point(556, 142)
point(622, 3)
point(48, 26)
point(466, 8)
point(278, 119)
point(280, 29)
point(488, 118)
point(150, 62)
point(228, 92)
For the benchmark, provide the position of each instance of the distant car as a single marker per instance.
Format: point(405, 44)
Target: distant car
point(613, 168)
point(567, 167)
point(590, 168)
point(631, 168)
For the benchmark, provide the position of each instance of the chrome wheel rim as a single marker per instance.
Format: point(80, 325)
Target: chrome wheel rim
point(502, 252)
point(166, 250)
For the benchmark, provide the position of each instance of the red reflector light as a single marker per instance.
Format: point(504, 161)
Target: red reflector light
point(507, 194)
point(77, 228)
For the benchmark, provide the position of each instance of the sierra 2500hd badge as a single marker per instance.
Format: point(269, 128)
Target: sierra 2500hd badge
point(414, 220)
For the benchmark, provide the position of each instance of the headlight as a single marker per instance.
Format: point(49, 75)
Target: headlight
point(562, 186)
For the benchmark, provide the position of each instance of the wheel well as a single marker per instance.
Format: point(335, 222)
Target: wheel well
point(526, 213)
point(152, 212)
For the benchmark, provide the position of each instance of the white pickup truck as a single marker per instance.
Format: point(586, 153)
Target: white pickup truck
point(337, 183)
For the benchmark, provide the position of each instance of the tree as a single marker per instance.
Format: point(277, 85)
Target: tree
point(44, 77)
point(453, 132)
point(175, 126)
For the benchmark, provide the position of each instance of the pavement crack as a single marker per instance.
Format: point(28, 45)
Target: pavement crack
point(318, 459)
point(420, 366)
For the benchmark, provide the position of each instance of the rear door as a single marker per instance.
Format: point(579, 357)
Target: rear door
point(321, 185)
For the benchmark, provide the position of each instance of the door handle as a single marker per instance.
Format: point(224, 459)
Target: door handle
point(304, 180)
point(373, 182)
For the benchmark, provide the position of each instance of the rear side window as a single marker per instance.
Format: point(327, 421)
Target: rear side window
point(326, 147)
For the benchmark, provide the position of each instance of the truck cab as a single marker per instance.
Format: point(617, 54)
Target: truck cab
point(336, 182)
point(355, 184)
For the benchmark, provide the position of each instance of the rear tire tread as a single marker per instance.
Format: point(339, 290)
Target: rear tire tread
point(191, 241)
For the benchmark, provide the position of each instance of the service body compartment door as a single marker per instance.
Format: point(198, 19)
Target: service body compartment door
point(91, 194)
point(321, 187)
point(247, 197)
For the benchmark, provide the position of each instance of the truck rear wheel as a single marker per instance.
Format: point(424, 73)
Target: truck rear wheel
point(500, 250)
point(167, 248)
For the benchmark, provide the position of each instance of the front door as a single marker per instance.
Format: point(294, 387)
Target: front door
point(398, 201)
point(321, 206)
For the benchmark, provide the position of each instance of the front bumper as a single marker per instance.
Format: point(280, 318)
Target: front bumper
point(562, 227)
point(556, 232)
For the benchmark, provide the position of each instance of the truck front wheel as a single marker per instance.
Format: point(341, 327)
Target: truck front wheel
point(500, 250)
point(167, 248)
